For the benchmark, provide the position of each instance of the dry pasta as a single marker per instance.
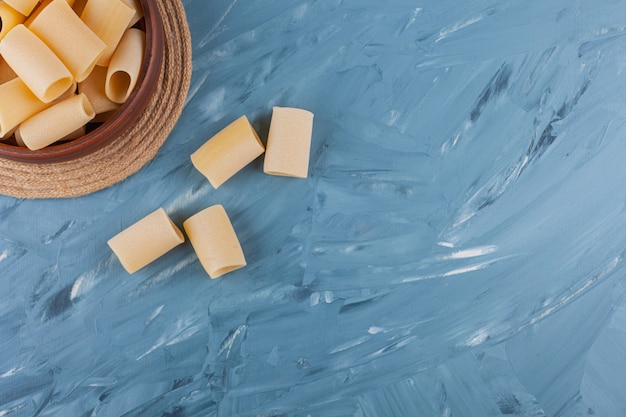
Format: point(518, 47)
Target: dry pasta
point(22, 6)
point(125, 64)
point(146, 240)
point(68, 37)
point(7, 135)
point(54, 123)
point(18, 103)
point(39, 68)
point(136, 5)
point(228, 152)
point(214, 240)
point(39, 8)
point(289, 142)
point(9, 18)
point(108, 19)
point(80, 132)
point(93, 88)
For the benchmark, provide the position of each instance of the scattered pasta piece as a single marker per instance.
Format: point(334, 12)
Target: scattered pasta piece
point(289, 142)
point(56, 122)
point(214, 240)
point(146, 240)
point(69, 38)
point(123, 70)
point(228, 152)
point(33, 61)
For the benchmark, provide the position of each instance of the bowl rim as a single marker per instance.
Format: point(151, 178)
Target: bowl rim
point(123, 118)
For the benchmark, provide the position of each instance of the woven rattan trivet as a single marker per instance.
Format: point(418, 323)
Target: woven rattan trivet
point(127, 154)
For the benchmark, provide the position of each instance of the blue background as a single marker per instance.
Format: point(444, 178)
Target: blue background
point(457, 250)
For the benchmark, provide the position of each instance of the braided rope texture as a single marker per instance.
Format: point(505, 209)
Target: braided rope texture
point(134, 148)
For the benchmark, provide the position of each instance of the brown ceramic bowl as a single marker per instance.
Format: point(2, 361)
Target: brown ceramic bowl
point(99, 136)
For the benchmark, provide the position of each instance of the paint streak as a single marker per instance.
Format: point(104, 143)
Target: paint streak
point(457, 248)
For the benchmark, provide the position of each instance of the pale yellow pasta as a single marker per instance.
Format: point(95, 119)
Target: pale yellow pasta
point(7, 135)
point(146, 240)
point(35, 64)
point(93, 88)
point(74, 135)
point(108, 19)
point(39, 8)
point(22, 6)
point(9, 18)
point(289, 142)
point(78, 133)
point(18, 140)
point(68, 37)
point(228, 152)
point(17, 104)
point(214, 240)
point(54, 123)
point(69, 93)
point(136, 5)
point(125, 64)
point(6, 73)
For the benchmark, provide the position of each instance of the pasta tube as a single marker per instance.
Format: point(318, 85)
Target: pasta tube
point(214, 240)
point(108, 19)
point(7, 135)
point(228, 152)
point(74, 135)
point(22, 6)
point(136, 5)
point(35, 64)
point(93, 88)
point(39, 8)
point(289, 142)
point(146, 240)
point(125, 65)
point(56, 122)
point(9, 18)
point(68, 37)
point(17, 104)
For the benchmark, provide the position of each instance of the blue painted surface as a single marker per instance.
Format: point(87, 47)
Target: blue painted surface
point(456, 251)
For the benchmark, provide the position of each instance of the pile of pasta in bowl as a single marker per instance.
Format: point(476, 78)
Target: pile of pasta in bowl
point(66, 67)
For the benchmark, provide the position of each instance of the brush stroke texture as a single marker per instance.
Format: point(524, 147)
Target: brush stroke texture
point(458, 248)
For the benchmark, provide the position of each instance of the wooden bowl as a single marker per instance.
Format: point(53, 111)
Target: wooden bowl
point(122, 120)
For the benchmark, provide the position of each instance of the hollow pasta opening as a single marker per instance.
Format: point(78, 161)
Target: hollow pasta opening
point(57, 88)
point(119, 85)
point(86, 106)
